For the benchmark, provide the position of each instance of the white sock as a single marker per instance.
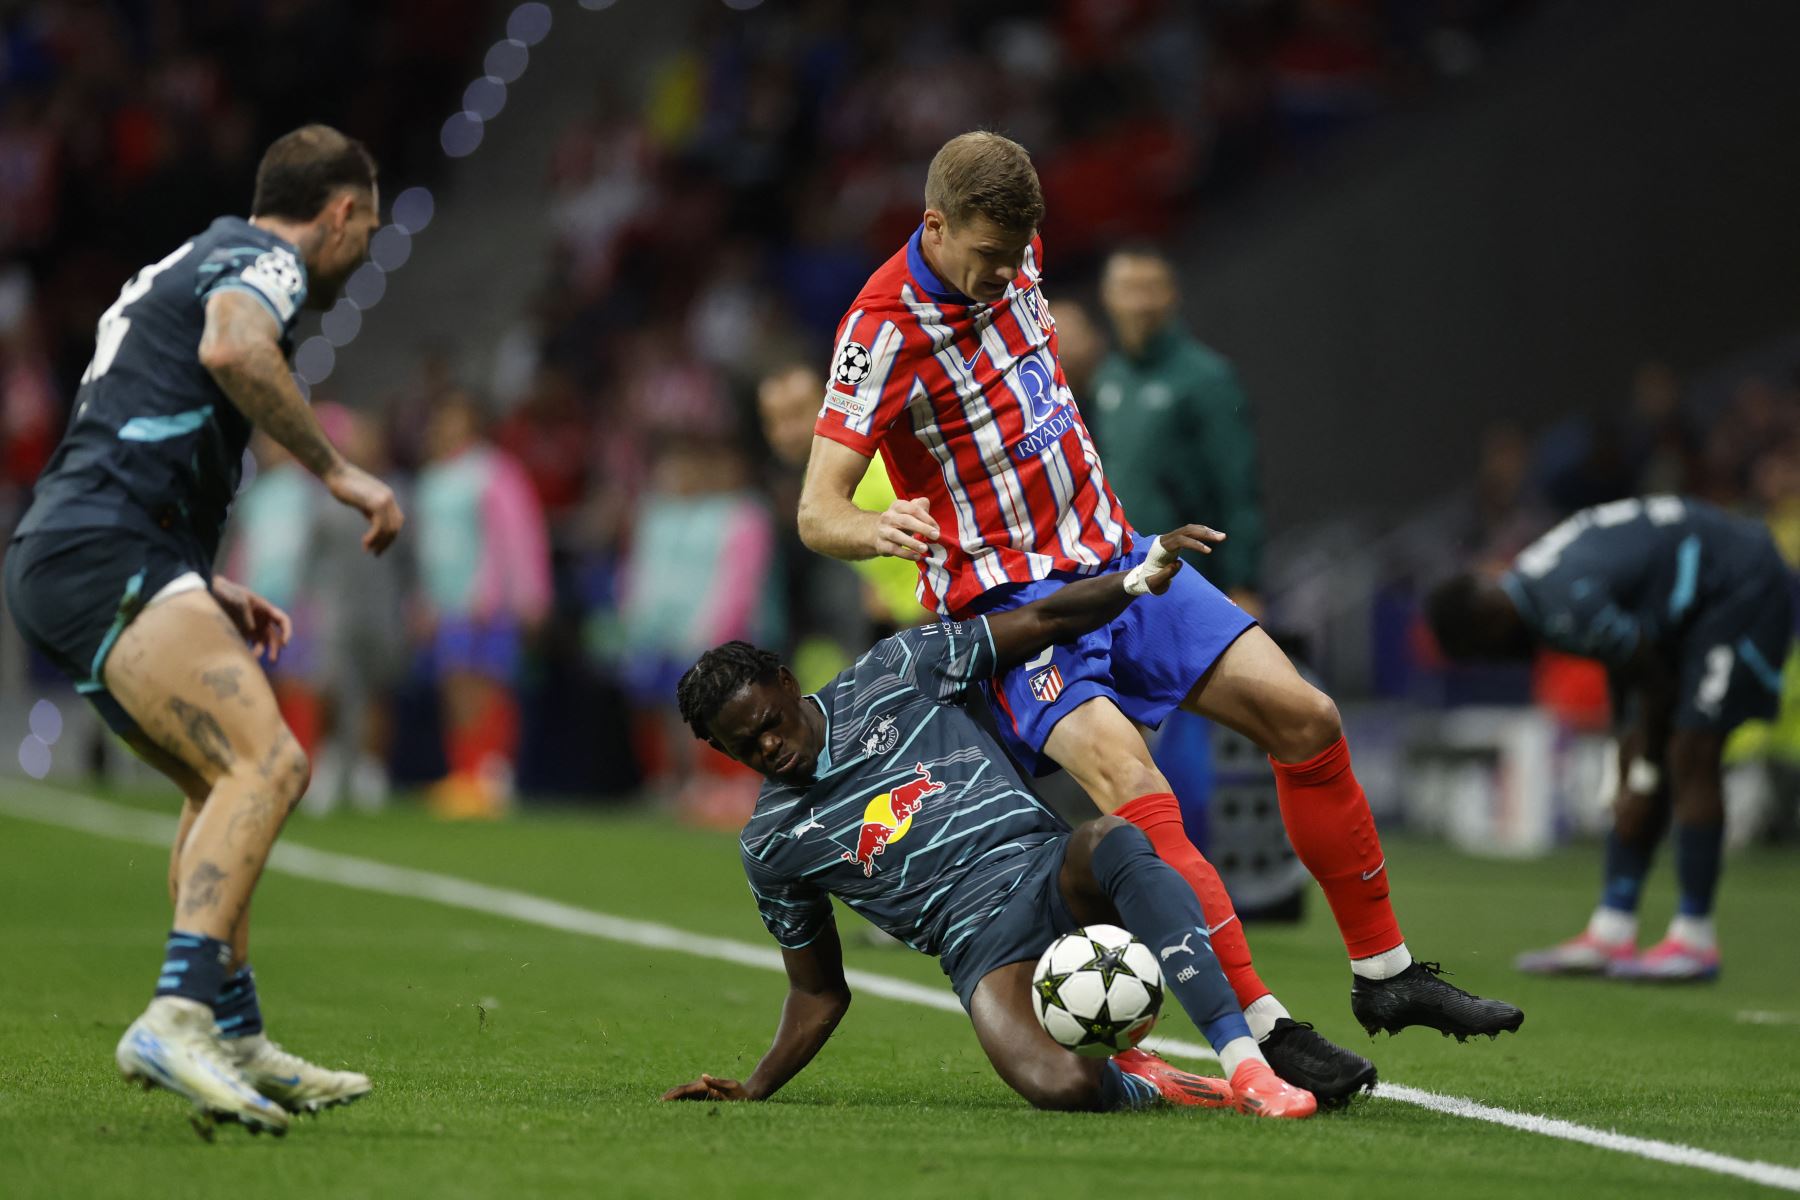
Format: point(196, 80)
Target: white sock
point(1613, 927)
point(1262, 1015)
point(1385, 965)
point(1238, 1050)
point(1697, 932)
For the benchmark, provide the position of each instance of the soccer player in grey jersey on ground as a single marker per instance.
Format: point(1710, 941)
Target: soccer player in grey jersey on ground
point(883, 792)
point(110, 575)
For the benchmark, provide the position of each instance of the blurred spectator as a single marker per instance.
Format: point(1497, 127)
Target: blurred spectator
point(1173, 424)
point(355, 607)
point(484, 568)
point(1081, 347)
point(885, 598)
point(699, 573)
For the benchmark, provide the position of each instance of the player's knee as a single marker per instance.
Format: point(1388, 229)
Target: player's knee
point(1309, 724)
point(1092, 833)
point(1062, 1087)
point(289, 770)
point(1119, 777)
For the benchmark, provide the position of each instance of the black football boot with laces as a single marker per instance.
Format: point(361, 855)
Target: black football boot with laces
point(1416, 996)
point(1308, 1059)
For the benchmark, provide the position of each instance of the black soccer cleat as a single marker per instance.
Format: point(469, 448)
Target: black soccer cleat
point(1307, 1059)
point(1416, 996)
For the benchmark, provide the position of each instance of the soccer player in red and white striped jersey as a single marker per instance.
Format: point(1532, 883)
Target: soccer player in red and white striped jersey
point(947, 364)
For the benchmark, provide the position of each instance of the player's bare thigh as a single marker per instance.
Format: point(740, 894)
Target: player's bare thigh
point(184, 674)
point(1023, 1055)
point(1103, 750)
point(1255, 690)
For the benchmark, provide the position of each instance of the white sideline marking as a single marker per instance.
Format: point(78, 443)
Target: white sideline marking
point(53, 806)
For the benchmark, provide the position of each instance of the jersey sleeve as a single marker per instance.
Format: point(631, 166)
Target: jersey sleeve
point(794, 911)
point(872, 374)
point(273, 274)
point(945, 660)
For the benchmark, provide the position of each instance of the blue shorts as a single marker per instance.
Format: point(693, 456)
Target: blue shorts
point(73, 592)
point(1146, 660)
point(490, 648)
point(1032, 917)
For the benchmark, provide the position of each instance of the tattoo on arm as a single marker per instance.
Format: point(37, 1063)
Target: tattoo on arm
point(241, 350)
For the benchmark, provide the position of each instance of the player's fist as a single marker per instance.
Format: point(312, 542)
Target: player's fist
point(904, 529)
point(373, 499)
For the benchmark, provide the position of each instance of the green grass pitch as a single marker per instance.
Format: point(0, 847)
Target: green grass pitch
point(515, 1060)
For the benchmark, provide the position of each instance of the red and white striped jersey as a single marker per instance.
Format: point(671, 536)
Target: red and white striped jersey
point(968, 404)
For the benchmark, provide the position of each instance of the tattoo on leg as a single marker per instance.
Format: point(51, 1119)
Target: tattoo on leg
point(223, 681)
point(204, 733)
point(201, 891)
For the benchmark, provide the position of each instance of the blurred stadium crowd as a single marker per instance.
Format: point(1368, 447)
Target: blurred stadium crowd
point(617, 495)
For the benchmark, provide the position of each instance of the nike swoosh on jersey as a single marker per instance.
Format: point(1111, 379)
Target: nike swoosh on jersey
point(1379, 867)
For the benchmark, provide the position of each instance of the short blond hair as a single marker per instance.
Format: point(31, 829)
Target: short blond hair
point(985, 174)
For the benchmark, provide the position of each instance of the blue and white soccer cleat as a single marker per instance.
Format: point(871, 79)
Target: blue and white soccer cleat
point(291, 1081)
point(173, 1046)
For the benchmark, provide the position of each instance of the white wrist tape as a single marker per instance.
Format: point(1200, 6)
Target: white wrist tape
point(1137, 579)
point(1642, 776)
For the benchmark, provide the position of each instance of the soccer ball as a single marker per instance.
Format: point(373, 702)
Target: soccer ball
point(1097, 991)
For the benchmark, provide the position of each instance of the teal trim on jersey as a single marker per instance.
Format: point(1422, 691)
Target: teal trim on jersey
point(1771, 678)
point(128, 608)
point(231, 286)
point(1687, 576)
point(1515, 591)
point(993, 650)
point(161, 429)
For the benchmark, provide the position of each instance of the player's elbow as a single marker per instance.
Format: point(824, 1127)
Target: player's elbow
point(222, 354)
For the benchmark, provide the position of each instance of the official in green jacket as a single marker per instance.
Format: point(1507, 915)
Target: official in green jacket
point(1173, 424)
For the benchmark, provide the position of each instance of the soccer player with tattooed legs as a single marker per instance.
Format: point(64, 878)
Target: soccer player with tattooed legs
point(947, 364)
point(110, 575)
point(883, 791)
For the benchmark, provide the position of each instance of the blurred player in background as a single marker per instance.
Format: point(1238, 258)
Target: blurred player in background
point(1691, 611)
point(947, 364)
point(110, 574)
point(883, 791)
point(484, 570)
point(294, 547)
point(789, 402)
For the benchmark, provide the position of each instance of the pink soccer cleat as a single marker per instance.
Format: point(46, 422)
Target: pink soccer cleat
point(1262, 1093)
point(1175, 1085)
point(1669, 961)
point(1584, 954)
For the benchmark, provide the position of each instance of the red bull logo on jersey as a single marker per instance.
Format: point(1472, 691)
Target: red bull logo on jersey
point(888, 818)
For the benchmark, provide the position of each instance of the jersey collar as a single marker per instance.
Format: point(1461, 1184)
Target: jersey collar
point(922, 273)
point(824, 763)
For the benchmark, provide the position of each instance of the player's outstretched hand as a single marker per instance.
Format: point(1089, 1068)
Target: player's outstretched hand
point(903, 530)
point(262, 624)
point(1157, 571)
point(708, 1087)
point(373, 499)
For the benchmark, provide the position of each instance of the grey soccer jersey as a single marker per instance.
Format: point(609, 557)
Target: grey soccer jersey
point(916, 819)
point(1631, 573)
point(154, 444)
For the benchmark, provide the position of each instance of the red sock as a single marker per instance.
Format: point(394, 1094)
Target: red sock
point(1159, 816)
point(1328, 821)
